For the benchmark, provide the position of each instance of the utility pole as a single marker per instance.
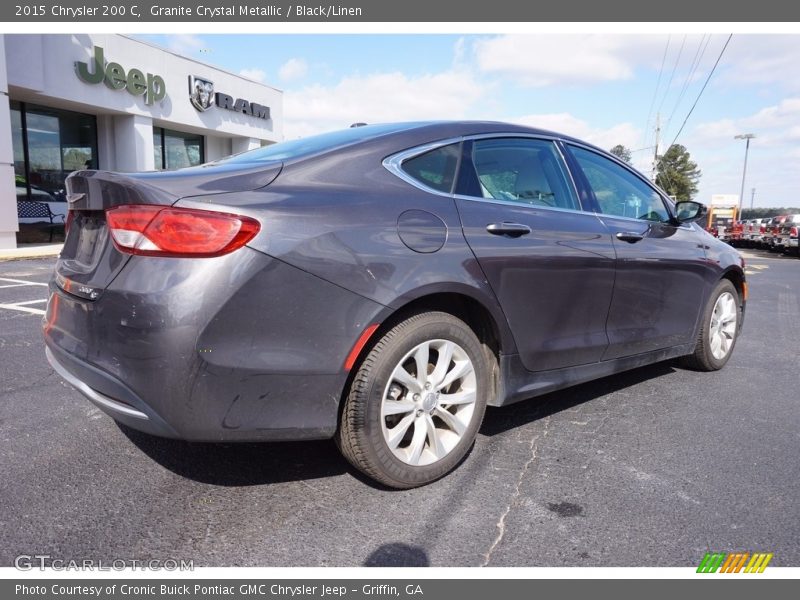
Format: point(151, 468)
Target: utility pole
point(655, 153)
point(747, 137)
point(752, 197)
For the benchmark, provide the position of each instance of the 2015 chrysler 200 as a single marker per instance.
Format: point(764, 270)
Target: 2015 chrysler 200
point(381, 285)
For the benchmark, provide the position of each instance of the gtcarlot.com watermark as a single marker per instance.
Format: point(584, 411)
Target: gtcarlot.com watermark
point(29, 562)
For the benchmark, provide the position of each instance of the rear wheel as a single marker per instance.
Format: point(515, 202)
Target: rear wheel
point(719, 329)
point(416, 402)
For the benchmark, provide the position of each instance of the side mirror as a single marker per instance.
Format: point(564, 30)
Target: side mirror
point(688, 211)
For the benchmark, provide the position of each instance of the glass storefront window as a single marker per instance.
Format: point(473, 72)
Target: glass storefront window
point(175, 149)
point(49, 144)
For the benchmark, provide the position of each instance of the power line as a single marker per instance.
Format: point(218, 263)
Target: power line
point(655, 93)
point(691, 110)
point(698, 58)
point(672, 75)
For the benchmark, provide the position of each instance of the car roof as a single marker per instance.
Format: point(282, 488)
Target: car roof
point(387, 138)
point(477, 127)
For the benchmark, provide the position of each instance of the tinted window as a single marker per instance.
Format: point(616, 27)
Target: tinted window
point(618, 191)
point(58, 142)
point(436, 168)
point(522, 170)
point(176, 149)
point(317, 143)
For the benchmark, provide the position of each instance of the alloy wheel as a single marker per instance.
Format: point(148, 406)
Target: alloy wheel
point(429, 402)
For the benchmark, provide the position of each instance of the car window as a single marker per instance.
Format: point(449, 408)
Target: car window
point(436, 168)
point(522, 170)
point(316, 144)
point(618, 191)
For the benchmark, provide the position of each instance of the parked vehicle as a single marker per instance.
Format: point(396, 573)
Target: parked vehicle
point(772, 230)
point(751, 236)
point(759, 231)
point(734, 233)
point(380, 285)
point(786, 238)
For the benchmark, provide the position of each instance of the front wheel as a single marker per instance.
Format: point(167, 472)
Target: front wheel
point(416, 402)
point(719, 329)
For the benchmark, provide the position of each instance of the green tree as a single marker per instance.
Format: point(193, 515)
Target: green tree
point(677, 173)
point(622, 153)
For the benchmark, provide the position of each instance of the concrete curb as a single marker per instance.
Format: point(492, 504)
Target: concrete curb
point(31, 251)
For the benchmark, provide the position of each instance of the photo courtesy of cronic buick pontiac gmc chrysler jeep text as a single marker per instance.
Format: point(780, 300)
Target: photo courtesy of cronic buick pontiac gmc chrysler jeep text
point(379, 285)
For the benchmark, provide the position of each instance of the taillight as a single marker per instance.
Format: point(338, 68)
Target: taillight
point(762, 229)
point(793, 232)
point(179, 232)
point(68, 221)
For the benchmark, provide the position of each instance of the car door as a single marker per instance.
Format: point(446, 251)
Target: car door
point(661, 266)
point(550, 264)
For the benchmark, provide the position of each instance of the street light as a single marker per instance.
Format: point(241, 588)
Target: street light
point(748, 137)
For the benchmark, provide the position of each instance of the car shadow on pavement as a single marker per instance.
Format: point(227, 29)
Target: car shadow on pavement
point(500, 419)
point(242, 464)
point(397, 554)
point(245, 464)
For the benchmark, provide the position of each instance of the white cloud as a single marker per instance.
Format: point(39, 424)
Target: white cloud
point(186, 44)
point(541, 60)
point(294, 68)
point(255, 74)
point(622, 133)
point(380, 97)
point(573, 59)
point(772, 165)
point(773, 126)
point(762, 60)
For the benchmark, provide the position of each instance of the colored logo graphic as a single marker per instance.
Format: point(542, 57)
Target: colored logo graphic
point(734, 562)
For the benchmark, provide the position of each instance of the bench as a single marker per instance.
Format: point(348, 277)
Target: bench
point(31, 209)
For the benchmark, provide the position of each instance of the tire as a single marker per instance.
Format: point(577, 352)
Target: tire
point(717, 337)
point(393, 427)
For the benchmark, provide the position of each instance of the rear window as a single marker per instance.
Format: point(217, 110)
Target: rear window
point(436, 168)
point(316, 144)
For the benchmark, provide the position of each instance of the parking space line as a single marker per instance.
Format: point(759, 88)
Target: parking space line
point(28, 302)
point(25, 309)
point(19, 282)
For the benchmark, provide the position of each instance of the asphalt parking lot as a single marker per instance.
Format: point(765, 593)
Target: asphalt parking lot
point(650, 468)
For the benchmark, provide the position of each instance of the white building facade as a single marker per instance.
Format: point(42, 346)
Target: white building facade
point(110, 102)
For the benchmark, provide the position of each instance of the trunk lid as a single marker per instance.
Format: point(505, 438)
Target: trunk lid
point(89, 261)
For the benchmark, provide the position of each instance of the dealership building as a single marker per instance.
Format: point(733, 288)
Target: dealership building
point(70, 102)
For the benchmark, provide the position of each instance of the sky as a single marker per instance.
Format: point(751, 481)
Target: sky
point(605, 88)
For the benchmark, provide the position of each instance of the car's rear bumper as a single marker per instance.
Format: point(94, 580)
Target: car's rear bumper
point(107, 393)
point(214, 350)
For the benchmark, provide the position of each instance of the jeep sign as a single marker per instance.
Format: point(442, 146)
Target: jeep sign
point(137, 83)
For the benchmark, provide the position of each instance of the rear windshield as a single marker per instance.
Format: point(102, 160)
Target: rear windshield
point(316, 144)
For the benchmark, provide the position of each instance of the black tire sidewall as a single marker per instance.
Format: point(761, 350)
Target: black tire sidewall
point(722, 287)
point(426, 327)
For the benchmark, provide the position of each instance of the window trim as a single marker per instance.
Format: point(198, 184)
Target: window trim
point(569, 181)
point(393, 164)
point(586, 186)
point(421, 184)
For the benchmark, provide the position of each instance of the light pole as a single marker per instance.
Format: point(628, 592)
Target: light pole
point(747, 137)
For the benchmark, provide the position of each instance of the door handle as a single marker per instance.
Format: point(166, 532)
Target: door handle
point(513, 230)
point(630, 236)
